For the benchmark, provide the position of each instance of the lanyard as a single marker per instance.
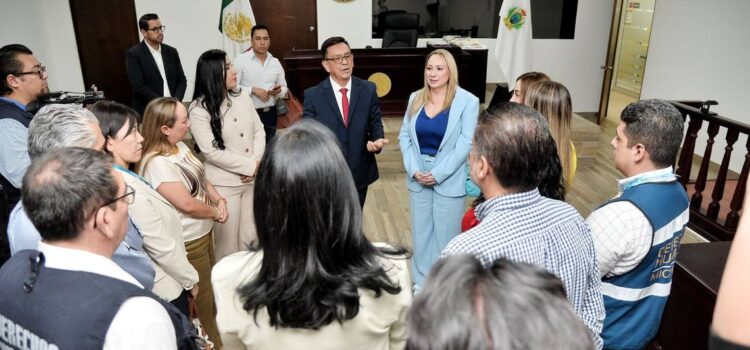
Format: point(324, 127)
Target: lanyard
point(121, 168)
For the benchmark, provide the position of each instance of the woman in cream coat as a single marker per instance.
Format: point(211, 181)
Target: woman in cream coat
point(314, 281)
point(435, 140)
point(230, 135)
point(152, 215)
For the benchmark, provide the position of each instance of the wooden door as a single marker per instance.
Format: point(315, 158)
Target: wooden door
point(104, 31)
point(608, 66)
point(292, 23)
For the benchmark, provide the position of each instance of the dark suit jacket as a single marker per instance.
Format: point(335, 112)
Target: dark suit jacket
point(365, 124)
point(144, 77)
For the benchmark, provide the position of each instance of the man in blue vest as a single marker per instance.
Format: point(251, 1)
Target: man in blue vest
point(69, 294)
point(22, 80)
point(637, 234)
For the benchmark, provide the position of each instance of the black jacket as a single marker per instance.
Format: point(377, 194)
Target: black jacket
point(365, 124)
point(144, 77)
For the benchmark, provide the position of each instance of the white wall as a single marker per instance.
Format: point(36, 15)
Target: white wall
point(574, 63)
point(698, 51)
point(192, 29)
point(45, 27)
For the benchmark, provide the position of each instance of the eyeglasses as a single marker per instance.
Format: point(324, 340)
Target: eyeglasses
point(157, 29)
point(129, 198)
point(341, 59)
point(41, 72)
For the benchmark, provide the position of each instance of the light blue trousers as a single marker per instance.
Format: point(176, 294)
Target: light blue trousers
point(435, 220)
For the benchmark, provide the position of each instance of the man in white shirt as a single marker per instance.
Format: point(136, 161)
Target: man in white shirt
point(637, 234)
point(69, 294)
point(262, 74)
point(154, 68)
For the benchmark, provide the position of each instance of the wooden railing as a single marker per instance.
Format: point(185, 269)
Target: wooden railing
point(706, 220)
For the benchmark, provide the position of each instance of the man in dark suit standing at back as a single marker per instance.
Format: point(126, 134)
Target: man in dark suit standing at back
point(349, 107)
point(154, 69)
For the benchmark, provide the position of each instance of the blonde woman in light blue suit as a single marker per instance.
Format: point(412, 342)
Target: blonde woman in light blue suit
point(435, 140)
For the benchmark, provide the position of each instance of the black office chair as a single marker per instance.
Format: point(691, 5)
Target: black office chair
point(381, 20)
point(400, 30)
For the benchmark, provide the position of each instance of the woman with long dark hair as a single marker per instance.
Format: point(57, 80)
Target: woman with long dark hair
point(313, 280)
point(229, 133)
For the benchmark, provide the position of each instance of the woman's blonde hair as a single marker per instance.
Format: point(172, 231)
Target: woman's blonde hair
point(423, 95)
point(160, 112)
point(552, 100)
point(528, 79)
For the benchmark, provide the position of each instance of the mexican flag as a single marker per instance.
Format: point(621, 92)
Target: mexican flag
point(235, 23)
point(513, 48)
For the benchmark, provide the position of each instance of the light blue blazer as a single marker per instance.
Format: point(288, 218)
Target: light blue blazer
point(450, 162)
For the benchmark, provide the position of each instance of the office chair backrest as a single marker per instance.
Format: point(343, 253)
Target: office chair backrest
point(400, 30)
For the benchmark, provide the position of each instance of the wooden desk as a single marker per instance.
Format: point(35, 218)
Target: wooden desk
point(404, 67)
point(687, 316)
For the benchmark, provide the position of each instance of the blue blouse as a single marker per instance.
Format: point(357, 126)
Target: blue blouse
point(430, 131)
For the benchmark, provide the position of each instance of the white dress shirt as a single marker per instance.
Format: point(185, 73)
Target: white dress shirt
point(622, 233)
point(141, 322)
point(337, 93)
point(160, 64)
point(252, 73)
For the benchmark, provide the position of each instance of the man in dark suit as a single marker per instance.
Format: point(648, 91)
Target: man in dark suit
point(349, 107)
point(154, 69)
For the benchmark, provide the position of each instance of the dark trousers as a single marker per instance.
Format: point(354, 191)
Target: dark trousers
point(362, 193)
point(181, 303)
point(9, 196)
point(268, 118)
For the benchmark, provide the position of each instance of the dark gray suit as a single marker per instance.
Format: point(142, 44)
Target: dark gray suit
point(365, 124)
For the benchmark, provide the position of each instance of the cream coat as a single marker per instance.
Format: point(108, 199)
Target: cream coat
point(160, 226)
point(244, 139)
point(379, 325)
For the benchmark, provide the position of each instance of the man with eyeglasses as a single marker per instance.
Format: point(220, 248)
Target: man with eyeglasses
point(58, 126)
point(154, 68)
point(68, 293)
point(24, 79)
point(349, 107)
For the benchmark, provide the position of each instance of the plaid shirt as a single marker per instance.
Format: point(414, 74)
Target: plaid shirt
point(527, 227)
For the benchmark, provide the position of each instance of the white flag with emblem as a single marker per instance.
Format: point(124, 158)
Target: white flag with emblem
point(235, 23)
point(513, 48)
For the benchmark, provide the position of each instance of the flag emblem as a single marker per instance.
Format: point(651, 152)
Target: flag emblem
point(237, 27)
point(515, 19)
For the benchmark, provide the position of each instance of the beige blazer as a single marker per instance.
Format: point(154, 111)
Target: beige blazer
point(160, 226)
point(379, 325)
point(244, 139)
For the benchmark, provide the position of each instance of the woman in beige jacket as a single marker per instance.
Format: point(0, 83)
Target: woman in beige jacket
point(229, 133)
point(153, 216)
point(174, 172)
point(314, 281)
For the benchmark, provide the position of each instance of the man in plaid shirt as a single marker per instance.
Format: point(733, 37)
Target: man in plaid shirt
point(509, 159)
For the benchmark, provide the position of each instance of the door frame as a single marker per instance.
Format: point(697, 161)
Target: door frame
point(608, 66)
